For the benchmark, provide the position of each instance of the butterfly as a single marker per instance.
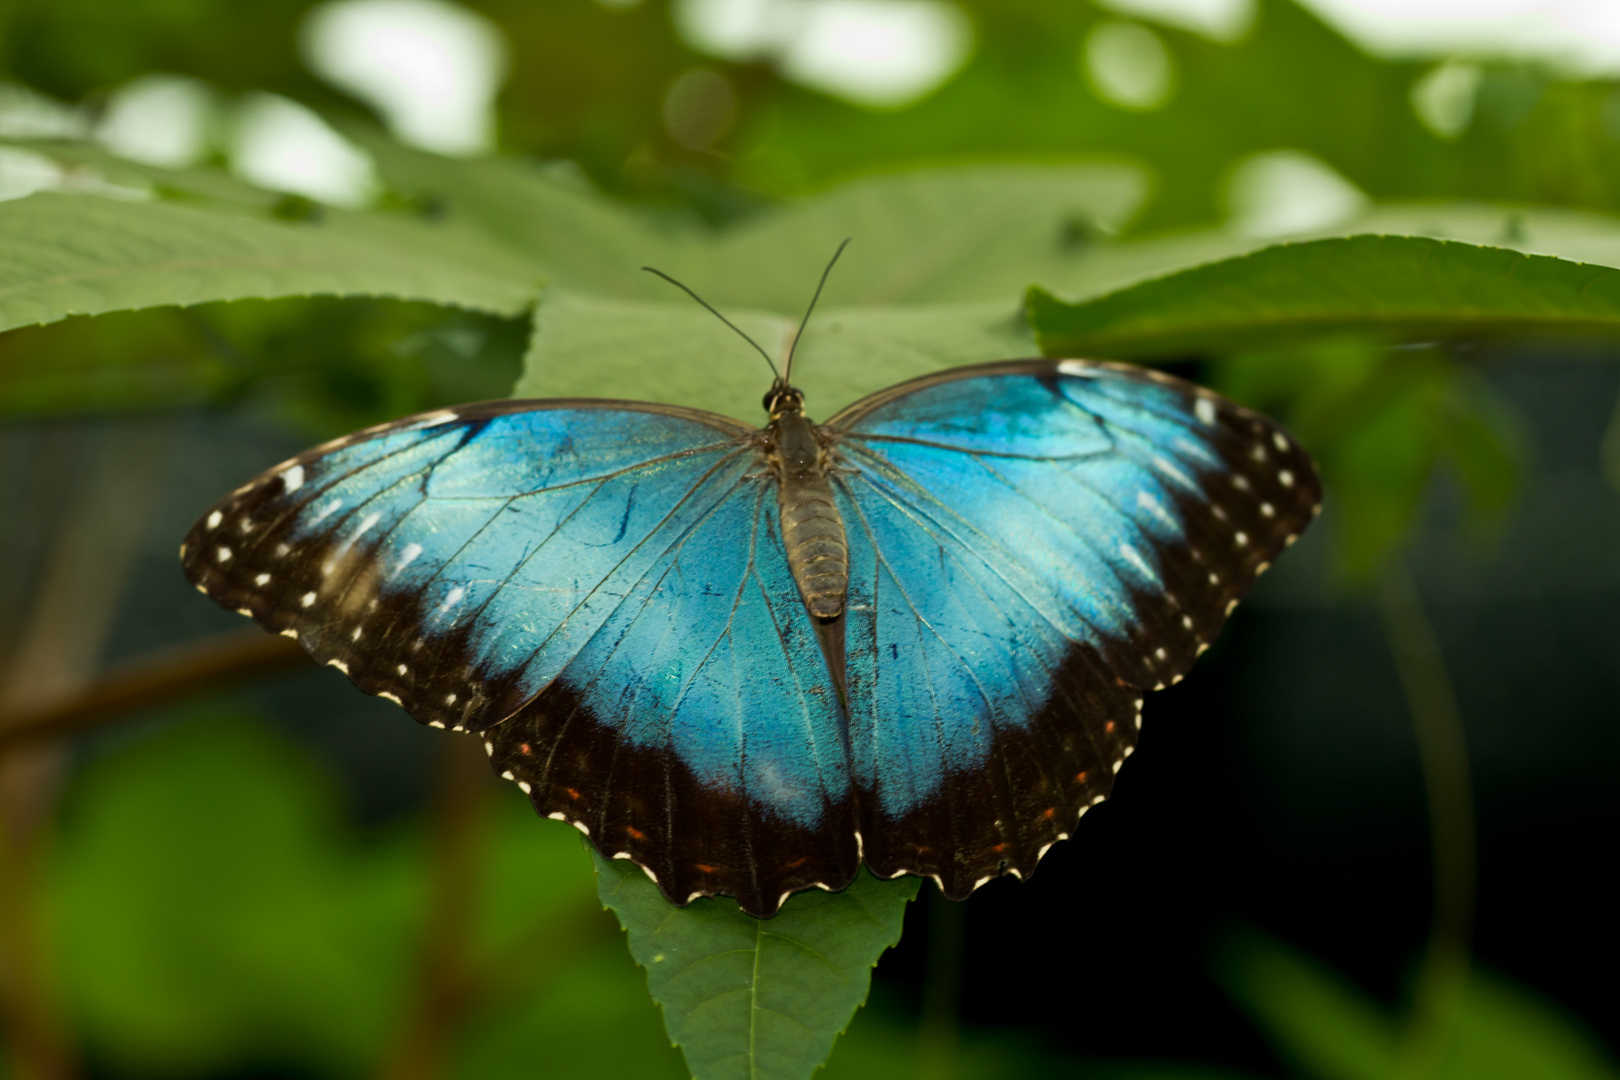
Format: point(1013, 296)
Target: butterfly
point(917, 635)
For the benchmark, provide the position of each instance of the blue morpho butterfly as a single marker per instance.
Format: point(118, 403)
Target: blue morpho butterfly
point(748, 659)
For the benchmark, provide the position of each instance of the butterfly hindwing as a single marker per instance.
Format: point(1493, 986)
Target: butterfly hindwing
point(1038, 543)
point(699, 732)
point(453, 562)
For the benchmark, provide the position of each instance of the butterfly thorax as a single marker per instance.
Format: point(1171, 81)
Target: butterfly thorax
point(812, 528)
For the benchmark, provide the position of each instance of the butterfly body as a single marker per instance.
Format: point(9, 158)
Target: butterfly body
point(917, 635)
point(812, 527)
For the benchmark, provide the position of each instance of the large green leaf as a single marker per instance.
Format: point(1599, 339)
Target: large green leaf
point(675, 352)
point(930, 281)
point(757, 999)
point(1391, 286)
point(64, 255)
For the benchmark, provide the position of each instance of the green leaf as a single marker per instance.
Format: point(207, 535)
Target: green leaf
point(677, 353)
point(64, 255)
point(930, 281)
point(1400, 287)
point(211, 911)
point(761, 999)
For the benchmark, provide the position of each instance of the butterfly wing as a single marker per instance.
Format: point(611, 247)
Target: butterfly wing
point(1033, 545)
point(598, 587)
point(698, 732)
point(455, 561)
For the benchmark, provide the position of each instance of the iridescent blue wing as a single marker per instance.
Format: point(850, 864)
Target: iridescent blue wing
point(597, 586)
point(699, 731)
point(454, 562)
point(1033, 545)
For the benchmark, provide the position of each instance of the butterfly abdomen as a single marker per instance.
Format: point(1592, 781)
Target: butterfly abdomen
point(812, 528)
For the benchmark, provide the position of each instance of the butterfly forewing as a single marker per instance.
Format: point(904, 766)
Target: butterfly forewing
point(453, 562)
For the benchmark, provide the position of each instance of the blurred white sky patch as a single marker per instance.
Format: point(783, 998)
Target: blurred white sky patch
point(279, 144)
point(166, 120)
point(1127, 65)
point(23, 172)
point(1444, 98)
point(1285, 192)
point(1581, 35)
point(431, 68)
point(1221, 20)
point(882, 53)
point(27, 114)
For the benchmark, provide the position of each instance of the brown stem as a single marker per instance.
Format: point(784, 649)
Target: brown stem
point(153, 680)
point(445, 986)
point(1443, 752)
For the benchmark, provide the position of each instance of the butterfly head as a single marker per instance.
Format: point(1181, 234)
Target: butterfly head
point(782, 399)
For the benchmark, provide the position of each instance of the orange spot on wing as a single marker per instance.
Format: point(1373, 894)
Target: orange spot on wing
point(999, 848)
point(1081, 777)
point(1051, 811)
point(635, 833)
point(1109, 727)
point(796, 863)
point(572, 793)
point(525, 749)
point(706, 868)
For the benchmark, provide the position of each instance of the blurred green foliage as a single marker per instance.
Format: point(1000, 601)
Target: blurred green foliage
point(253, 927)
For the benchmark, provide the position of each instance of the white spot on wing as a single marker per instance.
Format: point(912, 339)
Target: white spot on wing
point(340, 665)
point(1152, 505)
point(452, 599)
point(1169, 469)
point(1278, 441)
point(214, 519)
point(386, 696)
point(407, 556)
point(1134, 557)
point(326, 511)
point(223, 554)
point(306, 600)
point(1286, 478)
point(292, 479)
point(1078, 368)
point(262, 580)
point(1204, 409)
point(523, 786)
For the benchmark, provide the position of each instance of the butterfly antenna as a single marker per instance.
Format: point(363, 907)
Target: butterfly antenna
point(788, 370)
point(722, 318)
